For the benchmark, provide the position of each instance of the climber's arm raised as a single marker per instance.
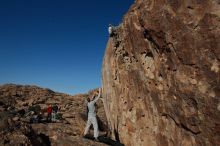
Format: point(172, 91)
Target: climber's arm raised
point(96, 99)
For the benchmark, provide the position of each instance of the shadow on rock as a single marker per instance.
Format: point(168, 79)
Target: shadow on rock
point(38, 139)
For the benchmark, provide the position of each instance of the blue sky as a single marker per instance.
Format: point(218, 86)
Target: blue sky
point(56, 44)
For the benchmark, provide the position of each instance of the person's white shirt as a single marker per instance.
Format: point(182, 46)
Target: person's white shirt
point(91, 107)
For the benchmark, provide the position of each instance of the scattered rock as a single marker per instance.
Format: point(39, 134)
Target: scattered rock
point(15, 118)
point(68, 115)
point(19, 124)
point(218, 107)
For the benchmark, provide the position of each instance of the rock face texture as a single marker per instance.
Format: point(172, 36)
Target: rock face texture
point(161, 74)
point(16, 129)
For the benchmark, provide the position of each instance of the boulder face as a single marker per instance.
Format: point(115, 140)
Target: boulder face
point(161, 74)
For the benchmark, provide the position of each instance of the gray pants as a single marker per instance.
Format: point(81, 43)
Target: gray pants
point(53, 119)
point(92, 120)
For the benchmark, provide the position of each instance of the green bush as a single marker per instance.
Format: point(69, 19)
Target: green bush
point(59, 116)
point(35, 108)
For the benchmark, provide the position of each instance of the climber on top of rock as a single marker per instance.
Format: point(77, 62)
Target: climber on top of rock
point(111, 30)
point(92, 114)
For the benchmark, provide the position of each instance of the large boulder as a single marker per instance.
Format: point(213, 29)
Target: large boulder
point(161, 74)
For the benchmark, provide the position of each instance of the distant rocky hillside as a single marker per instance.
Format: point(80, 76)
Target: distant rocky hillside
point(161, 74)
point(16, 129)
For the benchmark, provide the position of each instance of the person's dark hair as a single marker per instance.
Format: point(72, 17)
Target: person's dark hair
point(88, 99)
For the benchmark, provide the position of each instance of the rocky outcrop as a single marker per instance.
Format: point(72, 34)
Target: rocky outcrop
point(20, 133)
point(161, 74)
point(16, 129)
